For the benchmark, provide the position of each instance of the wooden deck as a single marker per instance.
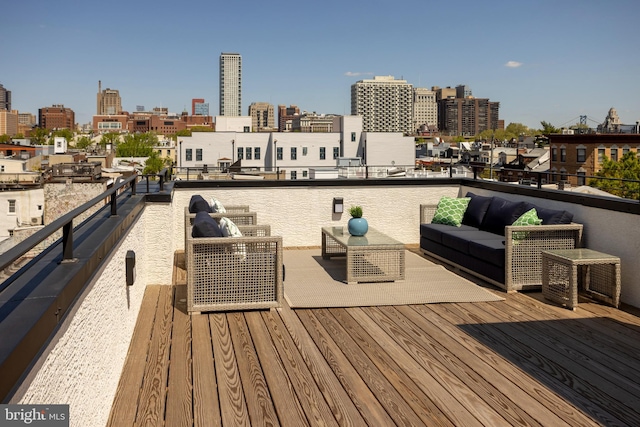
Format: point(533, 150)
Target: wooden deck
point(522, 361)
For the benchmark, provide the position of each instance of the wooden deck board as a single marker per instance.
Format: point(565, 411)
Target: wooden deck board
point(522, 361)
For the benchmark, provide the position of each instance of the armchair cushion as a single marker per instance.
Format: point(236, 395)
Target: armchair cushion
point(205, 226)
point(198, 203)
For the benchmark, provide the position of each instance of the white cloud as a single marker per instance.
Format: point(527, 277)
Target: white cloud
point(513, 64)
point(356, 74)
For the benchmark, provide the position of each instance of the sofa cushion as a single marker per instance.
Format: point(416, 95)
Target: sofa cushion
point(459, 240)
point(205, 226)
point(553, 217)
point(476, 210)
point(450, 210)
point(501, 213)
point(489, 250)
point(434, 231)
point(198, 203)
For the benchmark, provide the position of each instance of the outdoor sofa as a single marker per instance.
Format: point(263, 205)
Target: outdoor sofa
point(486, 244)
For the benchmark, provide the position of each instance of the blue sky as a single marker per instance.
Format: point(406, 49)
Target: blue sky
point(542, 60)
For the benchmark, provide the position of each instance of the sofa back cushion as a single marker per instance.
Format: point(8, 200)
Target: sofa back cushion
point(476, 210)
point(198, 203)
point(501, 213)
point(205, 226)
point(552, 217)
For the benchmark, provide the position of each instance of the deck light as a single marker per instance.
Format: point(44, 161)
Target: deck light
point(338, 205)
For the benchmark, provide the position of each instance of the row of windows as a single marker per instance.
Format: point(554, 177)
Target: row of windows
point(581, 154)
point(253, 153)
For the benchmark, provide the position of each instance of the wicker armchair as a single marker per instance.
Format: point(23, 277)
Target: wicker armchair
point(234, 273)
point(523, 256)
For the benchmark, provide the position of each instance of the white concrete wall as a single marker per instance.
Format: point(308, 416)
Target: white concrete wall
point(614, 233)
point(298, 214)
point(84, 365)
point(26, 208)
point(387, 148)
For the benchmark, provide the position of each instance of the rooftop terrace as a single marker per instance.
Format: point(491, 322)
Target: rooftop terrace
point(130, 354)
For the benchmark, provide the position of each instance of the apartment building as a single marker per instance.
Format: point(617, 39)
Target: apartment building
point(108, 101)
point(425, 108)
point(8, 122)
point(467, 116)
point(286, 116)
point(56, 117)
point(230, 84)
point(312, 122)
point(386, 104)
point(262, 116)
point(583, 154)
point(5, 98)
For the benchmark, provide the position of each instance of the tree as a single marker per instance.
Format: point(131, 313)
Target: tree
point(548, 128)
point(154, 163)
point(137, 145)
point(514, 130)
point(109, 138)
point(619, 178)
point(83, 142)
point(39, 136)
point(5, 138)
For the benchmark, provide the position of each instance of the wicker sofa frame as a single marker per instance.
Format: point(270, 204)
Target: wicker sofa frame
point(233, 273)
point(523, 257)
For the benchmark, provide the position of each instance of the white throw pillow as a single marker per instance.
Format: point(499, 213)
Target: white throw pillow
point(216, 206)
point(229, 229)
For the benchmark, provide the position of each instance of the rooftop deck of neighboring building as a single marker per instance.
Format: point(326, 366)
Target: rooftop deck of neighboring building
point(520, 361)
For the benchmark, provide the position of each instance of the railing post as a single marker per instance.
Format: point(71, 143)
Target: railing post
point(134, 185)
point(161, 182)
point(114, 206)
point(67, 242)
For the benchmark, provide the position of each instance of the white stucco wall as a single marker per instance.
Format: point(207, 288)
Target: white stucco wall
point(298, 214)
point(84, 365)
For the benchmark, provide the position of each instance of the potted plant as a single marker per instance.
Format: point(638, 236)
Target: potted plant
point(357, 225)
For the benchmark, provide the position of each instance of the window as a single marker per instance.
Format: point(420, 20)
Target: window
point(563, 154)
point(323, 153)
point(198, 154)
point(336, 152)
point(304, 174)
point(294, 153)
point(1, 168)
point(240, 153)
point(294, 175)
point(12, 206)
point(279, 154)
point(582, 155)
point(614, 154)
point(248, 153)
point(625, 151)
point(188, 154)
point(353, 136)
point(256, 153)
point(554, 154)
point(600, 155)
point(582, 180)
point(304, 151)
point(247, 129)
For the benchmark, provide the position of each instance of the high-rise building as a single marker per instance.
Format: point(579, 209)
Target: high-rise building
point(467, 116)
point(195, 101)
point(463, 91)
point(56, 117)
point(8, 122)
point(5, 99)
point(230, 84)
point(262, 116)
point(385, 104)
point(109, 101)
point(425, 108)
point(286, 115)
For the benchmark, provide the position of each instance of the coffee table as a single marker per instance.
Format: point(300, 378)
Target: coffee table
point(374, 257)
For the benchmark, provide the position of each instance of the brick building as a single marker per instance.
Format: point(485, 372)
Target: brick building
point(56, 117)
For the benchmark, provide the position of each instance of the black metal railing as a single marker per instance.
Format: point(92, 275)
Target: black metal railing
point(65, 223)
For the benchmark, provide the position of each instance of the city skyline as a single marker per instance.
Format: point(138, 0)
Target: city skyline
point(546, 61)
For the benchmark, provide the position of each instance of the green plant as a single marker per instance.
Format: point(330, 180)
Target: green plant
point(355, 211)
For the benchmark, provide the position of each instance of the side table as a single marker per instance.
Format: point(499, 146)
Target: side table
point(564, 271)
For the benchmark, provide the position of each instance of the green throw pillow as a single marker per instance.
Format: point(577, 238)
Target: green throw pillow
point(450, 211)
point(528, 218)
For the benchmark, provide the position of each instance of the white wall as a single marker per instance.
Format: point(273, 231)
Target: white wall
point(389, 148)
point(232, 123)
point(27, 203)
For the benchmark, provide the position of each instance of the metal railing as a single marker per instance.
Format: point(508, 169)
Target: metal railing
point(65, 223)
